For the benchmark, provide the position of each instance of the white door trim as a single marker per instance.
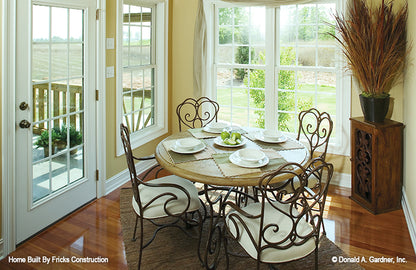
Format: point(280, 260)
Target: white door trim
point(8, 126)
point(101, 87)
point(9, 121)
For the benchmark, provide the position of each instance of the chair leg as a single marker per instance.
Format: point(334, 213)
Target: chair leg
point(135, 228)
point(200, 226)
point(141, 244)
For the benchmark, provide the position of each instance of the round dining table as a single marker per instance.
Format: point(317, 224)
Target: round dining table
point(210, 165)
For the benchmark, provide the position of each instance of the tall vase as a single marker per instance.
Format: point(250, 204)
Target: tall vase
point(375, 109)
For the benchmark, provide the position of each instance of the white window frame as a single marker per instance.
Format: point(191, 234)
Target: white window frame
point(339, 145)
point(160, 41)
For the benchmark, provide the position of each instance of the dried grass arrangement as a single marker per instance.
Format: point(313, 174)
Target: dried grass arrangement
point(374, 43)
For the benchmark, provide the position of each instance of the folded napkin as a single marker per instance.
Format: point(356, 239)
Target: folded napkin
point(229, 169)
point(179, 158)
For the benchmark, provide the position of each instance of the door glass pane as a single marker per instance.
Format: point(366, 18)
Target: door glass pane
point(58, 89)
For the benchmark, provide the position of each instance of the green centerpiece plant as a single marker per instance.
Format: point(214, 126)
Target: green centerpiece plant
point(374, 43)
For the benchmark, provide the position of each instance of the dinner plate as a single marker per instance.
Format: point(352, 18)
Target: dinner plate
point(220, 142)
point(235, 159)
point(179, 150)
point(260, 137)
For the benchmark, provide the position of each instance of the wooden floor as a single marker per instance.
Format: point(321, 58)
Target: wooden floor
point(95, 231)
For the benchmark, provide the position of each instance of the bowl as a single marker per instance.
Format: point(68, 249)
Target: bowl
point(188, 143)
point(251, 155)
point(217, 126)
point(271, 135)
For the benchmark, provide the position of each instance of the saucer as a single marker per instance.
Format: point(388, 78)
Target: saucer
point(260, 137)
point(235, 159)
point(175, 148)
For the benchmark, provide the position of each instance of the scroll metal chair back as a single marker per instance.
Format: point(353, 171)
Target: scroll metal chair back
point(317, 128)
point(194, 113)
point(169, 196)
point(279, 228)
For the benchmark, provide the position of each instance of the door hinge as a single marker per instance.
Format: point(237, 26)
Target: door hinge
point(97, 175)
point(97, 95)
point(97, 14)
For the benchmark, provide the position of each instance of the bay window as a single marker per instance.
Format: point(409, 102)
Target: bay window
point(268, 64)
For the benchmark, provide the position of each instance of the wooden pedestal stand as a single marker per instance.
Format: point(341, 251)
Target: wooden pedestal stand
point(377, 164)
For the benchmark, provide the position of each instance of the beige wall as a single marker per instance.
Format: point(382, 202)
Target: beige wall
point(409, 108)
point(184, 14)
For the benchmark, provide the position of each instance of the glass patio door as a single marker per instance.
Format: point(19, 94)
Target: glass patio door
point(55, 97)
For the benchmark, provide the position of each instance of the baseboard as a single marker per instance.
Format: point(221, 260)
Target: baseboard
point(411, 224)
point(121, 178)
point(341, 179)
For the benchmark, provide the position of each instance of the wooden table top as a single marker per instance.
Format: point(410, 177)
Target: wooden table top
point(205, 169)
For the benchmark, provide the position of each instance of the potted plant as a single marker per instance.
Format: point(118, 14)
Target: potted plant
point(75, 137)
point(43, 141)
point(60, 141)
point(374, 43)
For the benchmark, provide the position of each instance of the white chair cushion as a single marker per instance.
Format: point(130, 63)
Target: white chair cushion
point(156, 208)
point(272, 216)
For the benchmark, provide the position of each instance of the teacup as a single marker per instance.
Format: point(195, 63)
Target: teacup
point(251, 155)
point(188, 143)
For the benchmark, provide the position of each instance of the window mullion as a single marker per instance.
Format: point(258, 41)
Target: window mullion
point(272, 47)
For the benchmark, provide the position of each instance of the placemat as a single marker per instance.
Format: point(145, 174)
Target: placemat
point(179, 158)
point(229, 169)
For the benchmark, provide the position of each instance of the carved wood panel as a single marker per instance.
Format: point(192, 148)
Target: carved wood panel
point(363, 157)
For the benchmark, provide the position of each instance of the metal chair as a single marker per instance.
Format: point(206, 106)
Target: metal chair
point(278, 228)
point(169, 196)
point(194, 113)
point(316, 127)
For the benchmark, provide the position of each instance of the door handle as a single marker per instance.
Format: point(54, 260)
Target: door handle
point(23, 106)
point(24, 124)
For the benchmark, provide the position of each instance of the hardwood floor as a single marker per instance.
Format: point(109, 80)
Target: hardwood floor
point(95, 231)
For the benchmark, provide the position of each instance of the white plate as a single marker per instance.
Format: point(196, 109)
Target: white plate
point(210, 130)
point(179, 150)
point(260, 137)
point(235, 159)
point(220, 142)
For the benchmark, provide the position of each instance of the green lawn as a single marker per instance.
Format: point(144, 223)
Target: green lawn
point(240, 98)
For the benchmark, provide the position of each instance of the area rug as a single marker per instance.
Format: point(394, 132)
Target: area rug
point(172, 249)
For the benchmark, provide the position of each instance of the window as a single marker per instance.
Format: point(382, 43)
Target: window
point(141, 70)
point(271, 63)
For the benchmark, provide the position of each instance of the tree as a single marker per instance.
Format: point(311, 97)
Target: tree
point(286, 100)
